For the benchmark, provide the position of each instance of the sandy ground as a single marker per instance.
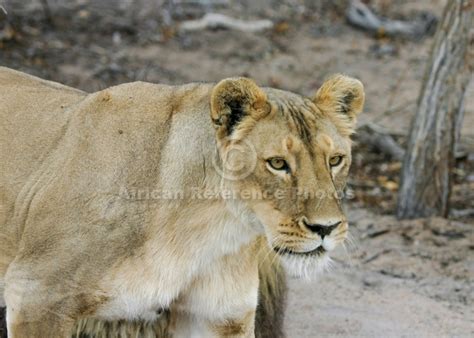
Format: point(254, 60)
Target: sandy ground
point(342, 305)
point(403, 279)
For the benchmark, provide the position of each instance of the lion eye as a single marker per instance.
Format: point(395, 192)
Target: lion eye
point(335, 161)
point(278, 163)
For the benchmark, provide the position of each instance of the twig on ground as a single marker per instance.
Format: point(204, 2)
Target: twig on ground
point(362, 16)
point(378, 233)
point(375, 256)
point(214, 21)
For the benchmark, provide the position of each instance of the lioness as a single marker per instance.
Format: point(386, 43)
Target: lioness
point(143, 197)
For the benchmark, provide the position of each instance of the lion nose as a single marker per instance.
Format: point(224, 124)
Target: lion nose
point(321, 229)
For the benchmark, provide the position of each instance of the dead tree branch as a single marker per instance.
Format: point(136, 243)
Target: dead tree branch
point(214, 21)
point(360, 15)
point(376, 137)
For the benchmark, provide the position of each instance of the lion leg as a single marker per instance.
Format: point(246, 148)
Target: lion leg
point(30, 316)
point(269, 319)
point(21, 324)
point(185, 325)
point(241, 327)
point(36, 309)
point(222, 301)
point(266, 322)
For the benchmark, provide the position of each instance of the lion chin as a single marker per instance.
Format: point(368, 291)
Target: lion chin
point(304, 266)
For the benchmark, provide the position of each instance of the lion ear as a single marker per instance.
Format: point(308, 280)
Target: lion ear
point(342, 95)
point(234, 99)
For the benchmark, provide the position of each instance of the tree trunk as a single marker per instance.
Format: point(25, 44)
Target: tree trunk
point(426, 174)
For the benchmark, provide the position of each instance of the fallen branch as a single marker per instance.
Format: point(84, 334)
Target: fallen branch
point(379, 138)
point(376, 255)
point(461, 213)
point(214, 21)
point(376, 137)
point(358, 14)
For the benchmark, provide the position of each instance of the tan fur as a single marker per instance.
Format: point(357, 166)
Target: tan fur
point(122, 328)
point(268, 321)
point(343, 95)
point(85, 238)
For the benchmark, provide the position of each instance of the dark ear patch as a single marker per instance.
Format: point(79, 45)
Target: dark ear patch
point(237, 113)
point(233, 100)
point(341, 95)
point(347, 101)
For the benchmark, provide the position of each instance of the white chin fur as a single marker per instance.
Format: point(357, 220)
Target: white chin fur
point(305, 267)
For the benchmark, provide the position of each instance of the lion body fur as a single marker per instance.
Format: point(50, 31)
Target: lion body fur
point(102, 212)
point(268, 321)
point(50, 113)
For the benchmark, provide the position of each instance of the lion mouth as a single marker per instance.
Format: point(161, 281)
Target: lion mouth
point(285, 251)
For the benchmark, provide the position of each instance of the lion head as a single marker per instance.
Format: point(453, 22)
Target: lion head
point(287, 158)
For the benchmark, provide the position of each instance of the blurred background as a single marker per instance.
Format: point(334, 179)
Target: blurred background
point(411, 277)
